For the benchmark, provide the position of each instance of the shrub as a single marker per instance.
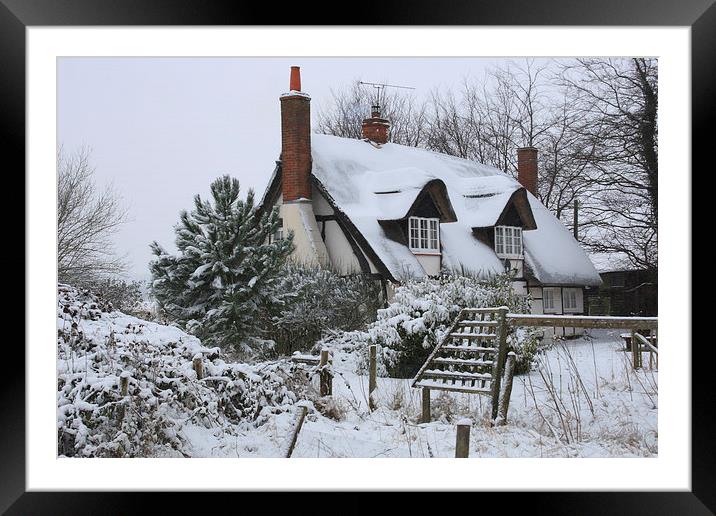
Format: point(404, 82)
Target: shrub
point(423, 310)
point(125, 296)
point(526, 345)
point(420, 314)
point(316, 300)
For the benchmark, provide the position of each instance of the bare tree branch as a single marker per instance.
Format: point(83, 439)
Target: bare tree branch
point(87, 219)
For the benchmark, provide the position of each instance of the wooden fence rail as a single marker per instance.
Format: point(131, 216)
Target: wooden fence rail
point(583, 321)
point(635, 324)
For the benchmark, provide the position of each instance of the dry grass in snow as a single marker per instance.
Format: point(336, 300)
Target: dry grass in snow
point(583, 400)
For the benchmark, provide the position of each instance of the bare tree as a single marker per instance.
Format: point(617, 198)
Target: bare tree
point(565, 158)
point(619, 108)
point(513, 106)
point(87, 219)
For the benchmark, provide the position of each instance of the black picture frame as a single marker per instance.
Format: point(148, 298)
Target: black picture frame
point(16, 15)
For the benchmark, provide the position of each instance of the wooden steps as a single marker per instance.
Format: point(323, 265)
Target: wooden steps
point(472, 323)
point(470, 353)
point(467, 349)
point(456, 375)
point(462, 362)
point(473, 336)
point(452, 388)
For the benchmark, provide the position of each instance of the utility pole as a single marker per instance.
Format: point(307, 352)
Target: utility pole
point(575, 225)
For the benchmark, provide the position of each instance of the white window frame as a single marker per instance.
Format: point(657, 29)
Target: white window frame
point(508, 242)
point(553, 291)
point(424, 235)
point(566, 293)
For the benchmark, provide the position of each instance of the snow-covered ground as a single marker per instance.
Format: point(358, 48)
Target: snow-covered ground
point(583, 400)
point(587, 402)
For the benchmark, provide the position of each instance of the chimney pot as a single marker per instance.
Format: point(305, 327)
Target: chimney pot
point(527, 168)
point(295, 83)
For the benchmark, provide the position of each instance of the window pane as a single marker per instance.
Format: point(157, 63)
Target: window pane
point(548, 299)
point(570, 299)
point(423, 234)
point(433, 234)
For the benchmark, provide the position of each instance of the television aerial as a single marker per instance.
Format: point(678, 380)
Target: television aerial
point(380, 94)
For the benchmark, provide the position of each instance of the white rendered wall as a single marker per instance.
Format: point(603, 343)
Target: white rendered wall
point(320, 205)
point(339, 249)
point(430, 263)
point(298, 217)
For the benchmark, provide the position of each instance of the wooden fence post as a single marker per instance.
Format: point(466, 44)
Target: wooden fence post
point(507, 388)
point(372, 374)
point(326, 378)
point(123, 391)
point(298, 423)
point(198, 365)
point(635, 351)
point(462, 439)
point(426, 406)
point(124, 384)
point(499, 359)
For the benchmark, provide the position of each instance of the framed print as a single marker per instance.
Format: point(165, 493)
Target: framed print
point(309, 258)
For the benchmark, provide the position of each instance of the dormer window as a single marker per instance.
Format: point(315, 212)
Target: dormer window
point(508, 242)
point(424, 235)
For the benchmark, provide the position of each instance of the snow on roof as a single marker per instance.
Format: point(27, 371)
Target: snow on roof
point(553, 254)
point(370, 183)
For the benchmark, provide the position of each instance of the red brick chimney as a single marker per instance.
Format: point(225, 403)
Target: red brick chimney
point(376, 128)
point(527, 168)
point(295, 140)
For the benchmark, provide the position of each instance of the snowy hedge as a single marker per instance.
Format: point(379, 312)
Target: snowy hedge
point(96, 347)
point(420, 314)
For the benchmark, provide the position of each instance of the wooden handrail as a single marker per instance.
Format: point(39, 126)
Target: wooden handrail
point(583, 321)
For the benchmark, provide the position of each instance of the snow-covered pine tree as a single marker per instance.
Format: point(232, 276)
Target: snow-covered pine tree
point(226, 266)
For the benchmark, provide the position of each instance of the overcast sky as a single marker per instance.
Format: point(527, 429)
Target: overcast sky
point(161, 129)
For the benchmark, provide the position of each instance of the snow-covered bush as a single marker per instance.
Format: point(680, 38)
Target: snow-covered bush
point(316, 300)
point(225, 269)
point(526, 344)
point(418, 317)
point(125, 296)
point(99, 350)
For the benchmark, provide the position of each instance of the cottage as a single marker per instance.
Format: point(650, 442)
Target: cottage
point(399, 212)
